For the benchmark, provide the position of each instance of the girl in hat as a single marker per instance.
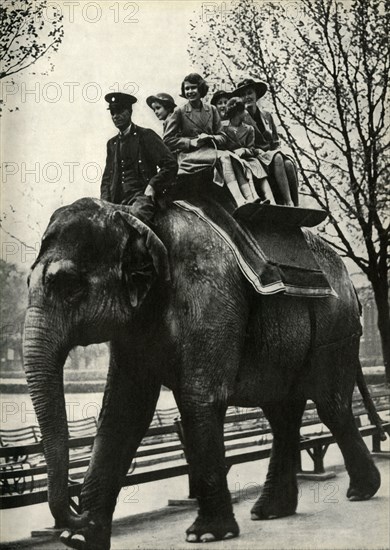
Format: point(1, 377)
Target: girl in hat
point(162, 105)
point(243, 164)
point(219, 100)
point(280, 166)
point(194, 130)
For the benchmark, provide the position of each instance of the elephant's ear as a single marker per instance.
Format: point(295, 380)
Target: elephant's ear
point(141, 249)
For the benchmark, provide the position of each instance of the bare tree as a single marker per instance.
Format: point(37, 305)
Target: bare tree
point(30, 30)
point(326, 63)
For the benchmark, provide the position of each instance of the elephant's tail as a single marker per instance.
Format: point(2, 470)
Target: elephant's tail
point(373, 415)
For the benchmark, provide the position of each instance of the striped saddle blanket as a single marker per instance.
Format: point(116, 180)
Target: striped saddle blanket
point(275, 258)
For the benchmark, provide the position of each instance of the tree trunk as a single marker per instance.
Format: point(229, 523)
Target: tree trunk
point(381, 290)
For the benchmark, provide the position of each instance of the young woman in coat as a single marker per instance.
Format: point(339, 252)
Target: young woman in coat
point(280, 167)
point(194, 130)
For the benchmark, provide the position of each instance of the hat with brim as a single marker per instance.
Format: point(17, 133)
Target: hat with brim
point(234, 106)
point(164, 99)
point(218, 95)
point(120, 100)
point(260, 87)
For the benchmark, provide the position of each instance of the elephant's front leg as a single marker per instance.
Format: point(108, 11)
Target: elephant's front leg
point(210, 327)
point(210, 366)
point(203, 429)
point(128, 405)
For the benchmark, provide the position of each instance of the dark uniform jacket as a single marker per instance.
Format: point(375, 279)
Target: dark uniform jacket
point(131, 165)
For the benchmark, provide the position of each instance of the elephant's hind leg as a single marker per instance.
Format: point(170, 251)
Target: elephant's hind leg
point(364, 475)
point(279, 497)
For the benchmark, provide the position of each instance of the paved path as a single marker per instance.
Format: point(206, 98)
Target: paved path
point(325, 520)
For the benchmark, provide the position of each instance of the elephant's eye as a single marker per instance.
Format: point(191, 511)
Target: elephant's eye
point(68, 286)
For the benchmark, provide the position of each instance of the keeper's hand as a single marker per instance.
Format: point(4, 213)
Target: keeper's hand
point(204, 139)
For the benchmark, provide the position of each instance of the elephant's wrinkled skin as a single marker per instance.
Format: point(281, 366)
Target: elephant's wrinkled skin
point(103, 275)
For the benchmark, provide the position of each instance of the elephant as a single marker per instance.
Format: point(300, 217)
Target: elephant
point(178, 312)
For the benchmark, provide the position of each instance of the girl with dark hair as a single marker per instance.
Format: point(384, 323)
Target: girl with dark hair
point(194, 130)
point(162, 105)
point(279, 165)
point(196, 80)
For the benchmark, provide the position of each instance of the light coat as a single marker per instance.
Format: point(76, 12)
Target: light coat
point(243, 137)
point(187, 123)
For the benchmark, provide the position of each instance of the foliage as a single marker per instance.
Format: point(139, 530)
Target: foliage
point(326, 64)
point(30, 30)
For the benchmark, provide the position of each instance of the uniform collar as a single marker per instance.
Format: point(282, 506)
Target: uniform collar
point(127, 131)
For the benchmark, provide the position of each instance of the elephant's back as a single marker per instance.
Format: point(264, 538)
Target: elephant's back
point(195, 248)
point(330, 262)
point(338, 316)
point(201, 254)
point(186, 235)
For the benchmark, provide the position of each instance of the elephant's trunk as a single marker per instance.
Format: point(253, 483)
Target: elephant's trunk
point(44, 358)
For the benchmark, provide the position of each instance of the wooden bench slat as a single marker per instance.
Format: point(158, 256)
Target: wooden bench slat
point(246, 439)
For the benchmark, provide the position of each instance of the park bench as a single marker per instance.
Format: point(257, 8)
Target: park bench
point(18, 461)
point(248, 435)
point(161, 454)
point(20, 436)
point(82, 428)
point(22, 460)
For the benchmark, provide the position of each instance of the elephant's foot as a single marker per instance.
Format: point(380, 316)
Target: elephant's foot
point(211, 529)
point(276, 501)
point(365, 486)
point(91, 537)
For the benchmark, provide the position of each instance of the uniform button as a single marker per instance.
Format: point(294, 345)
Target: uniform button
point(140, 161)
point(135, 133)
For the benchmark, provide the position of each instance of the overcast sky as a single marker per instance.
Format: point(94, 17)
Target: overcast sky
point(53, 148)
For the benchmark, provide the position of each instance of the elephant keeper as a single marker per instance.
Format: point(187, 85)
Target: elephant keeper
point(131, 175)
